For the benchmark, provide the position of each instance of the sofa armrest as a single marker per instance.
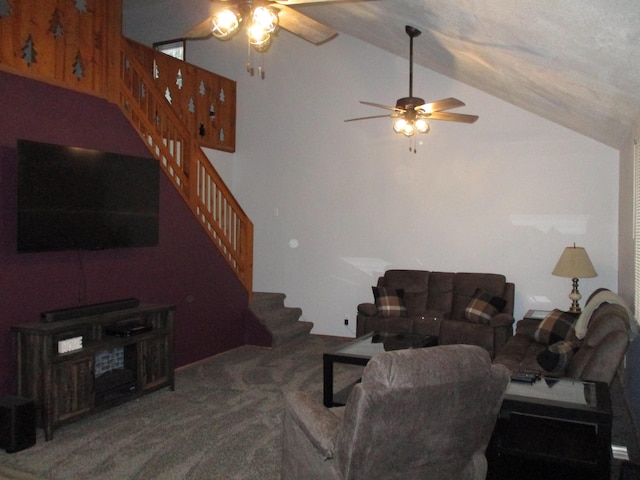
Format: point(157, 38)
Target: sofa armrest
point(501, 320)
point(317, 422)
point(368, 309)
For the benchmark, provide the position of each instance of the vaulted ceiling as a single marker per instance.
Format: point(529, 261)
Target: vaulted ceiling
point(574, 62)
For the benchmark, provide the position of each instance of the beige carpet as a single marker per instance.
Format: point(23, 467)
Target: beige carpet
point(7, 473)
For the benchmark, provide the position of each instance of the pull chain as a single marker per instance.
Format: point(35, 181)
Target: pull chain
point(250, 67)
point(249, 59)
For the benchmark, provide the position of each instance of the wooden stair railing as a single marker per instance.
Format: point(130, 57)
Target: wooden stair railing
point(186, 164)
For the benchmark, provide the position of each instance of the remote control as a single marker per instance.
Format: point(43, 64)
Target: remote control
point(527, 377)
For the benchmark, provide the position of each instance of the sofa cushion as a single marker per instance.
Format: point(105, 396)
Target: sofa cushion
point(520, 353)
point(483, 306)
point(416, 302)
point(408, 280)
point(556, 357)
point(389, 302)
point(465, 286)
point(556, 327)
point(440, 291)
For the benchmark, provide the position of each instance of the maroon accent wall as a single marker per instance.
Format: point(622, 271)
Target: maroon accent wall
point(185, 269)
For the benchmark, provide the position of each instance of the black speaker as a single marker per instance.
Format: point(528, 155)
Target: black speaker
point(86, 310)
point(17, 423)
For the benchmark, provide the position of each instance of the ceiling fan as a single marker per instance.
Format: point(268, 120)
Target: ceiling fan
point(411, 113)
point(262, 19)
point(261, 16)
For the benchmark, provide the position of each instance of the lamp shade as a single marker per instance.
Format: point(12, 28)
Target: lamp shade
point(574, 263)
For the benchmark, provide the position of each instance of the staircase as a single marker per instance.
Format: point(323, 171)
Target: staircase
point(163, 126)
point(282, 322)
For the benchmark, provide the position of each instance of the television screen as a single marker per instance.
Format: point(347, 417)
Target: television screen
point(76, 198)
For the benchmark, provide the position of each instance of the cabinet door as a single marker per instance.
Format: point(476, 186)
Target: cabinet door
point(156, 363)
point(72, 388)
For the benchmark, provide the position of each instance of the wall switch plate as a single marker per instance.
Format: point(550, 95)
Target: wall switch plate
point(346, 321)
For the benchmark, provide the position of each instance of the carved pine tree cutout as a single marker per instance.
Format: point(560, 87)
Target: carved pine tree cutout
point(55, 24)
point(29, 52)
point(78, 66)
point(5, 8)
point(81, 6)
point(221, 95)
point(179, 79)
point(191, 106)
point(202, 90)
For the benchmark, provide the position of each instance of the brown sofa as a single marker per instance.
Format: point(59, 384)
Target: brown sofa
point(436, 303)
point(606, 327)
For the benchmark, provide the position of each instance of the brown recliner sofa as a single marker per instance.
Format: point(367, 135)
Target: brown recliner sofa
point(436, 304)
point(418, 413)
point(596, 342)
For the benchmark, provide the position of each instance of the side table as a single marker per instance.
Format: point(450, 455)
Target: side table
point(536, 314)
point(553, 428)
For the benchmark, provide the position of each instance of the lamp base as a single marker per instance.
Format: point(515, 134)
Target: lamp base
point(575, 297)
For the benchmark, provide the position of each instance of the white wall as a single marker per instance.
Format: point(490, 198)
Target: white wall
point(504, 195)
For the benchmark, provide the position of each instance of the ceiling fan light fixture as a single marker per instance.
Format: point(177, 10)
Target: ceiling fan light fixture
point(422, 126)
point(264, 21)
point(410, 127)
point(224, 24)
point(257, 35)
point(266, 17)
point(399, 125)
point(263, 44)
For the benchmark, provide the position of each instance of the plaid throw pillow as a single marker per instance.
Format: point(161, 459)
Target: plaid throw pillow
point(483, 306)
point(556, 358)
point(390, 302)
point(555, 327)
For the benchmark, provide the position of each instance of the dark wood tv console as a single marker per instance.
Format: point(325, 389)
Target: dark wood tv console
point(76, 367)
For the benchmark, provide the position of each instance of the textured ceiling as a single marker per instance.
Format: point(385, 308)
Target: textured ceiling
point(574, 62)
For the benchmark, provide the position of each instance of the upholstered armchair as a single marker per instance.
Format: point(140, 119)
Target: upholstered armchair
point(419, 413)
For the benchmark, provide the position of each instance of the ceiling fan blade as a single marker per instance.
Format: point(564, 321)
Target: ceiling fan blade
point(303, 26)
point(440, 105)
point(201, 30)
point(451, 117)
point(386, 107)
point(367, 118)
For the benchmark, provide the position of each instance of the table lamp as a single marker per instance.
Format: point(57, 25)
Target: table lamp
point(574, 263)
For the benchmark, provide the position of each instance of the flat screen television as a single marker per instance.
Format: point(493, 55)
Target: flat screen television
point(72, 198)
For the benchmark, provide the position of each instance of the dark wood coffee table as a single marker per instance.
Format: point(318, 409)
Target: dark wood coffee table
point(553, 428)
point(360, 351)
